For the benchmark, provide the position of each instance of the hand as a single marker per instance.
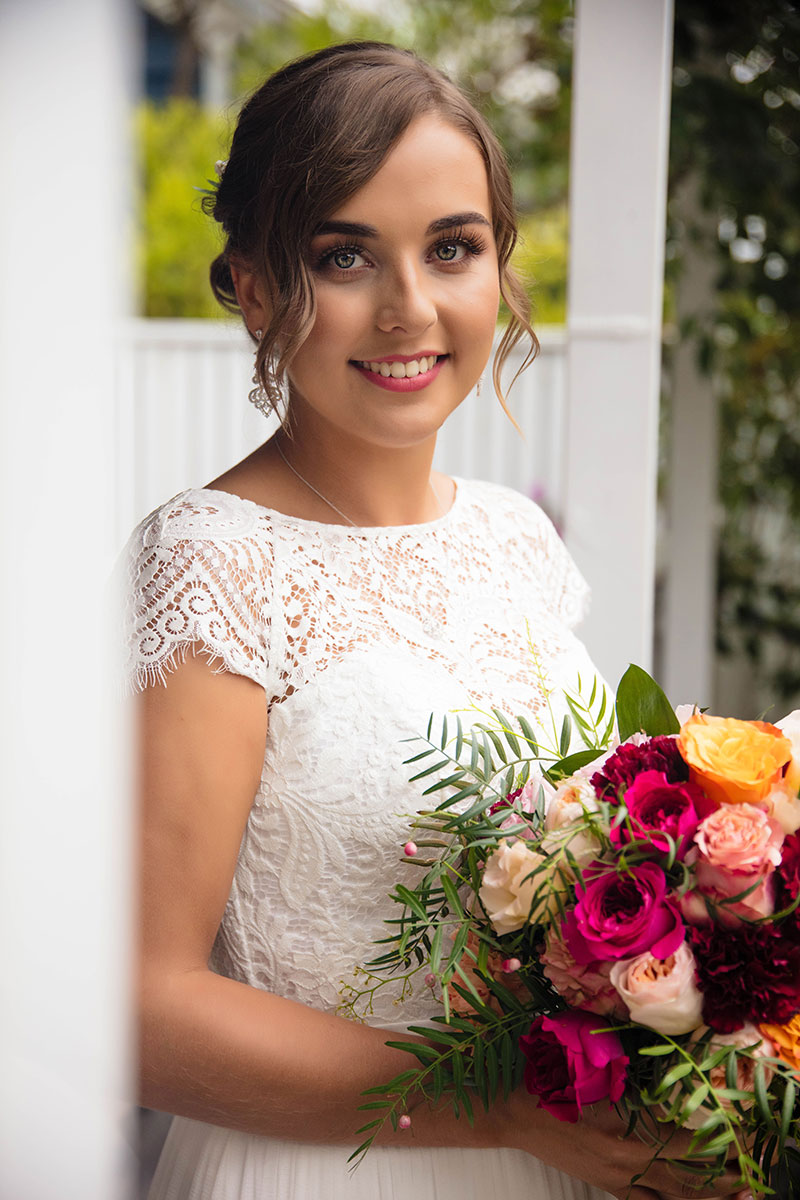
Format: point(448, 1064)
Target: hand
point(609, 1160)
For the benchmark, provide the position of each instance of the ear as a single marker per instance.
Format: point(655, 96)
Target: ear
point(251, 297)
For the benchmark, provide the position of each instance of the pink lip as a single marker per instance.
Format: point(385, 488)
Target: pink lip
point(400, 385)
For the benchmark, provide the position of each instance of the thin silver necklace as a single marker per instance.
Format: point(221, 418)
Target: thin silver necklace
point(330, 503)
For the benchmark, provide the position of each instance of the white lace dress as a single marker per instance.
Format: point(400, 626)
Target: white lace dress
point(356, 636)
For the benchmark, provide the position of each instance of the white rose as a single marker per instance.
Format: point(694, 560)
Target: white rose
point(783, 806)
point(660, 994)
point(790, 728)
point(507, 892)
point(574, 797)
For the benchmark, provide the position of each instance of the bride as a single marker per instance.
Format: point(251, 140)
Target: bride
point(294, 620)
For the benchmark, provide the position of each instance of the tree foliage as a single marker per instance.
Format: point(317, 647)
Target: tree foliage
point(178, 144)
point(736, 128)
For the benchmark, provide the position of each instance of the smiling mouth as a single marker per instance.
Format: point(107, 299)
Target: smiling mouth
point(402, 370)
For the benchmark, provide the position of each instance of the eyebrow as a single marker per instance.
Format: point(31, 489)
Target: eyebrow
point(357, 229)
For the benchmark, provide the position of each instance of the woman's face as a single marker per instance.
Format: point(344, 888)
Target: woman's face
point(406, 282)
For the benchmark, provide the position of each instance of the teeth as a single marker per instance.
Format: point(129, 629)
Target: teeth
point(399, 370)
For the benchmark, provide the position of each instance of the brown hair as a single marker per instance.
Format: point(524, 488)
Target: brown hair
point(313, 134)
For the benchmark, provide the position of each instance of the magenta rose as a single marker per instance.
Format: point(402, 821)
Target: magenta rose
point(657, 807)
point(622, 914)
point(570, 1065)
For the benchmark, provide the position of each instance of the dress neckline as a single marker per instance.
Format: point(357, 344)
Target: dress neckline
point(355, 530)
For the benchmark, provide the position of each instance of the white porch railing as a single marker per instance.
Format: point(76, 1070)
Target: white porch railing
point(182, 417)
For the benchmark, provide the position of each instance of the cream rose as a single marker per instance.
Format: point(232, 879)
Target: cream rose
point(660, 994)
point(508, 888)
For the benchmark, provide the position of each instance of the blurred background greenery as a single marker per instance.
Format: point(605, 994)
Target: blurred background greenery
point(734, 201)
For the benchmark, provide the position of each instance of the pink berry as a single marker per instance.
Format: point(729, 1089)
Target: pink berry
point(511, 965)
point(430, 979)
point(405, 1121)
point(410, 849)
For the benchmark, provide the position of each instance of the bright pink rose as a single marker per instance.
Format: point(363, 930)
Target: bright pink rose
point(622, 914)
point(569, 1065)
point(657, 807)
point(739, 847)
point(587, 986)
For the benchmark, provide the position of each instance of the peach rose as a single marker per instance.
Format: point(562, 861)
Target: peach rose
point(734, 762)
point(660, 994)
point(738, 847)
point(748, 1035)
point(581, 986)
point(508, 888)
point(786, 1040)
point(740, 837)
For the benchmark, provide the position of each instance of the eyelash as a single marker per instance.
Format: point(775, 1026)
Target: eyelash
point(473, 244)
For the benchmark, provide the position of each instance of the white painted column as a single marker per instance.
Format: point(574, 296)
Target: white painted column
point(64, 821)
point(618, 181)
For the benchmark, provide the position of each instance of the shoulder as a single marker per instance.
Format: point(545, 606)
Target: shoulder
point(501, 504)
point(529, 544)
point(198, 571)
point(200, 514)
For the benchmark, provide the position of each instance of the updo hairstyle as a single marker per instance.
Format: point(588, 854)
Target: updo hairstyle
point(309, 138)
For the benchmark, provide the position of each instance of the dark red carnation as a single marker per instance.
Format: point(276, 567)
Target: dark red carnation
point(621, 768)
point(788, 873)
point(748, 974)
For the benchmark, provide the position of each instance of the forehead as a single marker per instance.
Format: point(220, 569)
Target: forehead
point(433, 169)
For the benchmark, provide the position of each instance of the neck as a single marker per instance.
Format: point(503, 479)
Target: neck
point(367, 484)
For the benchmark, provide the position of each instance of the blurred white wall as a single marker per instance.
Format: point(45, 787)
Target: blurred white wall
point(64, 821)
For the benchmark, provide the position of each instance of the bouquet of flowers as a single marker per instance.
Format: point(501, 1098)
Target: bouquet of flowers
point(615, 925)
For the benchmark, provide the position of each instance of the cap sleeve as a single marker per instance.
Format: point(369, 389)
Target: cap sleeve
point(188, 586)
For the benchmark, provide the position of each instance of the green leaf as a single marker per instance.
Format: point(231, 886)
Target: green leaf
point(452, 896)
point(436, 949)
point(694, 1101)
point(572, 763)
point(566, 735)
point(760, 1089)
point(787, 1111)
point(528, 734)
point(443, 740)
point(492, 1070)
point(459, 738)
point(680, 1071)
point(656, 1051)
point(642, 706)
point(405, 896)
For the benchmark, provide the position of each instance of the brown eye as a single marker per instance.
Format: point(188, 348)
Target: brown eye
point(448, 251)
point(344, 259)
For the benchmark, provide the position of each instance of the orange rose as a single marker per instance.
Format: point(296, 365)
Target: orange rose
point(734, 762)
point(786, 1040)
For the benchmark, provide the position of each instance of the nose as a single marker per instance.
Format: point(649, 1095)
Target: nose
point(405, 302)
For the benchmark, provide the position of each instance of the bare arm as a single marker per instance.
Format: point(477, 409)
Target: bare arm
point(232, 1055)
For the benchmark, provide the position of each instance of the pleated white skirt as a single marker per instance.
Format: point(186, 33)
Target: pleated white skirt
point(206, 1162)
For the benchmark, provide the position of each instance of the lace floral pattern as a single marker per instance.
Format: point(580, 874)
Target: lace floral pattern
point(356, 636)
